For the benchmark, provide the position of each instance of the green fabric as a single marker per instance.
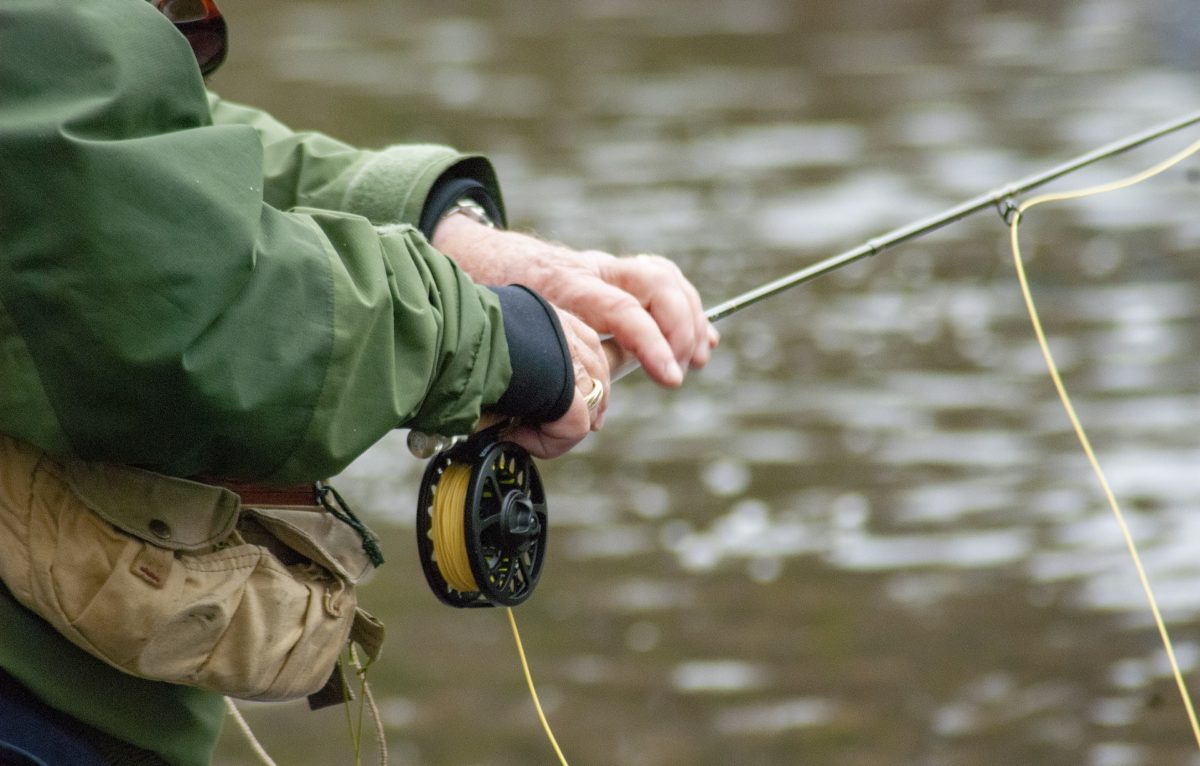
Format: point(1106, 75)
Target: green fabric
point(28, 402)
point(179, 723)
point(308, 169)
point(172, 318)
point(189, 286)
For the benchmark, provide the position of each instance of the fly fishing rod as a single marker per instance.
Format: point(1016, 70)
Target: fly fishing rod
point(482, 517)
point(1001, 198)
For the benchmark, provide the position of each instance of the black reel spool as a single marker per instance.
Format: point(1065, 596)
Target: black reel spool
point(503, 518)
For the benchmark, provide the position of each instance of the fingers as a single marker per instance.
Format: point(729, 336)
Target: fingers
point(635, 329)
point(586, 413)
point(671, 283)
point(550, 440)
point(666, 329)
point(591, 367)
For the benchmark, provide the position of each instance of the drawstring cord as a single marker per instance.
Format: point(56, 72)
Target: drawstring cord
point(333, 502)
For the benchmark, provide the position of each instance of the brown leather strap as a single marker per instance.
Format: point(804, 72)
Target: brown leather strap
point(298, 495)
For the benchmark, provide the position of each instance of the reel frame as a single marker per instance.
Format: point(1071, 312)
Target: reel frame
point(505, 519)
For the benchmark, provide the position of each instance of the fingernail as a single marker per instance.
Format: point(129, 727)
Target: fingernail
point(672, 372)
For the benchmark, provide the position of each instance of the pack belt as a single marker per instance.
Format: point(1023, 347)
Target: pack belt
point(254, 495)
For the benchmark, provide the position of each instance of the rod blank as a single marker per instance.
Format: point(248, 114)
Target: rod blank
point(995, 198)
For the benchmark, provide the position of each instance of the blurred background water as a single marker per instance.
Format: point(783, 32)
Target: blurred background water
point(864, 534)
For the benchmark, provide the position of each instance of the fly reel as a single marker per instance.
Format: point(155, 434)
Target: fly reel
point(481, 523)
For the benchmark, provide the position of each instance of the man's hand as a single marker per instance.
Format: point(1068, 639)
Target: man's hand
point(644, 301)
point(549, 440)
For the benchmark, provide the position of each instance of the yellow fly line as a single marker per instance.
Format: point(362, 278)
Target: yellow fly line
point(1084, 442)
point(512, 621)
point(448, 535)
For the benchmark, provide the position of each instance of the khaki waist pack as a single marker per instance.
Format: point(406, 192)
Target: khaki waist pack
point(177, 581)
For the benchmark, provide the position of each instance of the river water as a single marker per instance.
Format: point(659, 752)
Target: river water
point(865, 533)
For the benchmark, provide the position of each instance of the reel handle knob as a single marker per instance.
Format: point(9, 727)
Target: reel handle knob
point(519, 517)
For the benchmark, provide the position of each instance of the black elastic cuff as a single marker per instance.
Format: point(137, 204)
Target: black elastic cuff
point(542, 386)
point(448, 190)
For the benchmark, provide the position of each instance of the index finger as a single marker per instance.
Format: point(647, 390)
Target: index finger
point(633, 328)
point(670, 299)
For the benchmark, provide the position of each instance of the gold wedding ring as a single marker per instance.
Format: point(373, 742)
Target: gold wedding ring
point(592, 400)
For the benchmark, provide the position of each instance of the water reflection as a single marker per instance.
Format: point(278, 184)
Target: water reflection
point(864, 535)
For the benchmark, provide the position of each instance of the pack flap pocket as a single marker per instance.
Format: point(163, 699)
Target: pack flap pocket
point(318, 535)
point(162, 510)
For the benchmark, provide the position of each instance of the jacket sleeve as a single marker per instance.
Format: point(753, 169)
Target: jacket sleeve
point(171, 316)
point(390, 185)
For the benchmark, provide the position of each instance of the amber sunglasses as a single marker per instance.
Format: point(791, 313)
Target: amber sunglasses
point(202, 24)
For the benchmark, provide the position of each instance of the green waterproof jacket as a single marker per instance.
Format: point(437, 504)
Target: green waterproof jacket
point(197, 290)
point(189, 286)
